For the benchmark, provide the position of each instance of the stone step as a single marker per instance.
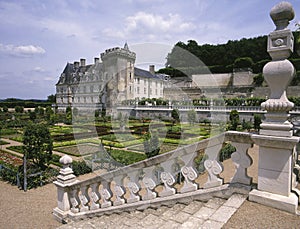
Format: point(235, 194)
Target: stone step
point(211, 214)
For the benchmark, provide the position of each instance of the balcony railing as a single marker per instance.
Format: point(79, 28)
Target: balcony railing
point(170, 177)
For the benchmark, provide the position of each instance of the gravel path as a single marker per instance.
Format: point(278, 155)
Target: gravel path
point(31, 209)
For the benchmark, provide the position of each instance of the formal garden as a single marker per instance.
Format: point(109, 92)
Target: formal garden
point(41, 136)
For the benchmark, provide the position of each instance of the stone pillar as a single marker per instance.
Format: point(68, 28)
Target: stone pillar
point(275, 140)
point(64, 180)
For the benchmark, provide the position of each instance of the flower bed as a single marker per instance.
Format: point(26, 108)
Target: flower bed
point(10, 159)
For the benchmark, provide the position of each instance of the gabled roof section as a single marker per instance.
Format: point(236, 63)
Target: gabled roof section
point(144, 73)
point(71, 71)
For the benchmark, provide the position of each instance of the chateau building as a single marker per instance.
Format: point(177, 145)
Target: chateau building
point(107, 83)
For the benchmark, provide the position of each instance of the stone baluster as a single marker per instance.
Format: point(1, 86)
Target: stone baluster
point(65, 179)
point(84, 199)
point(133, 186)
point(119, 190)
point(242, 161)
point(149, 182)
point(75, 201)
point(190, 173)
point(212, 164)
point(167, 178)
point(95, 196)
point(106, 194)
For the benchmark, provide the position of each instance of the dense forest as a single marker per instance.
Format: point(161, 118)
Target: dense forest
point(187, 58)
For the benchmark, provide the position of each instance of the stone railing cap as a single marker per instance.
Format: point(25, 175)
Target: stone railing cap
point(65, 160)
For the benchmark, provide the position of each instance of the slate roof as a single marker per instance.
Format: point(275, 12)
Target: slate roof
point(70, 71)
point(144, 73)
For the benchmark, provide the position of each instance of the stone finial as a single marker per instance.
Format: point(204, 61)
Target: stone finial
point(65, 160)
point(281, 14)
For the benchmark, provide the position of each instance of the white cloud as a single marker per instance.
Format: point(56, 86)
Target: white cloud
point(146, 27)
point(22, 50)
point(158, 23)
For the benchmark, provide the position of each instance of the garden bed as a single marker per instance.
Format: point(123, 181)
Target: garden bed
point(3, 142)
point(79, 150)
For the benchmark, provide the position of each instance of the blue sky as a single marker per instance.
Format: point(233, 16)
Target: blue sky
point(38, 38)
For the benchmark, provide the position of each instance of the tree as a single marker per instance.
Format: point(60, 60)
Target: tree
point(151, 145)
point(68, 116)
point(257, 121)
point(19, 109)
point(49, 112)
point(175, 115)
point(51, 98)
point(38, 144)
point(192, 116)
point(258, 80)
point(234, 120)
point(5, 109)
point(243, 62)
point(32, 115)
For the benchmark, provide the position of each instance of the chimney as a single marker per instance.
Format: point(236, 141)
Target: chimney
point(82, 62)
point(76, 64)
point(151, 69)
point(96, 60)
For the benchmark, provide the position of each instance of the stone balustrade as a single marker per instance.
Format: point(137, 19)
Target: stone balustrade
point(172, 176)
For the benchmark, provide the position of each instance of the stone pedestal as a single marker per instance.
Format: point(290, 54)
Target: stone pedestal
point(276, 143)
point(64, 179)
point(275, 172)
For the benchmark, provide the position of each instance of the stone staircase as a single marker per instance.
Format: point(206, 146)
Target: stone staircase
point(213, 213)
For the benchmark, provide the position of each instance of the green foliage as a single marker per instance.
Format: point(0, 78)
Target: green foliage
point(246, 125)
point(4, 109)
point(126, 157)
point(19, 109)
point(258, 80)
point(51, 98)
point(69, 116)
point(38, 144)
point(243, 62)
point(80, 168)
point(32, 115)
point(175, 115)
point(226, 152)
point(151, 145)
point(219, 58)
point(258, 66)
point(296, 80)
point(234, 120)
point(8, 173)
point(257, 121)
point(31, 103)
point(192, 116)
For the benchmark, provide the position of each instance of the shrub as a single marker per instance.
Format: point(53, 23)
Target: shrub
point(80, 168)
point(226, 152)
point(243, 62)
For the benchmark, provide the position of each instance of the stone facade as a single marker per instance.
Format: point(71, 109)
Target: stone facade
point(105, 84)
